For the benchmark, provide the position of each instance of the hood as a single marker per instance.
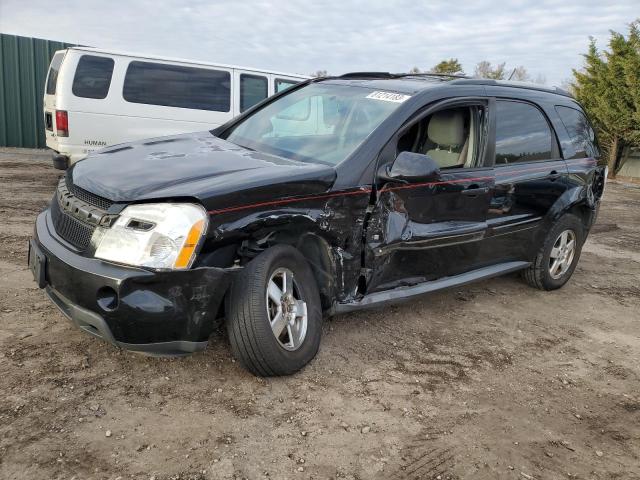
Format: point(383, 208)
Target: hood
point(197, 165)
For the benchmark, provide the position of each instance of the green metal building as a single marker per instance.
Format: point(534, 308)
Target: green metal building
point(23, 70)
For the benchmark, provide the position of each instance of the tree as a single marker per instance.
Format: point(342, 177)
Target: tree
point(414, 70)
point(540, 79)
point(608, 86)
point(484, 69)
point(319, 73)
point(632, 73)
point(448, 67)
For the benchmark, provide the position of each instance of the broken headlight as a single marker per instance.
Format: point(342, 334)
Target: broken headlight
point(156, 235)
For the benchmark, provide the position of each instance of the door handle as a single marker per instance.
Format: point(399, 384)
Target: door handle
point(554, 175)
point(474, 190)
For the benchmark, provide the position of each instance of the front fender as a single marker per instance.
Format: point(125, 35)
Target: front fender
point(327, 230)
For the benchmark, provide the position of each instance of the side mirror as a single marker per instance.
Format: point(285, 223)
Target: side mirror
point(410, 166)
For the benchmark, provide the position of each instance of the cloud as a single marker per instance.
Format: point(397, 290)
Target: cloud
point(339, 36)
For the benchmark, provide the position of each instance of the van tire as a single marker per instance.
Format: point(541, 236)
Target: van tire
point(253, 341)
point(538, 275)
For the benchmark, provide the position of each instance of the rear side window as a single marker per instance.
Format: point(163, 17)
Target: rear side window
point(177, 86)
point(282, 84)
point(522, 133)
point(253, 89)
point(93, 77)
point(579, 130)
point(54, 69)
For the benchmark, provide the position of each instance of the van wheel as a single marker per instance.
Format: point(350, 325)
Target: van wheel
point(557, 258)
point(275, 319)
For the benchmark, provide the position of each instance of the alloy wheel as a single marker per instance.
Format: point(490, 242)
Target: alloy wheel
point(562, 253)
point(286, 311)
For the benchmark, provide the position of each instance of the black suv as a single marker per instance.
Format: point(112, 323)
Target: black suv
point(335, 195)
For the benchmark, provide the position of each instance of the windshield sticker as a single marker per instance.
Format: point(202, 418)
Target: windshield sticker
point(388, 96)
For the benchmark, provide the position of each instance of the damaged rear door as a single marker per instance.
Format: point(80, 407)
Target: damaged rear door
point(422, 229)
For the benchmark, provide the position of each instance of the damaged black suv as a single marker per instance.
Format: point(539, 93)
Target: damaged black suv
point(335, 195)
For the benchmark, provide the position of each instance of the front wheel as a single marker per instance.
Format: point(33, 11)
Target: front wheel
point(275, 319)
point(557, 258)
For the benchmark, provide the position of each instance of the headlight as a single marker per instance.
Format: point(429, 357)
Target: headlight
point(156, 235)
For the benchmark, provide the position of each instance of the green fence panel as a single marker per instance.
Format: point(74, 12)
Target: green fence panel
point(24, 63)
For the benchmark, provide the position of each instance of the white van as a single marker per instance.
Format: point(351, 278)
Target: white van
point(94, 98)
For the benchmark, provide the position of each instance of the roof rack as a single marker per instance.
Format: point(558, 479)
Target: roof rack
point(511, 84)
point(455, 79)
point(399, 75)
point(367, 75)
point(427, 74)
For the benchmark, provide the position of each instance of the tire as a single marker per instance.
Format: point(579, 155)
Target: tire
point(253, 341)
point(539, 274)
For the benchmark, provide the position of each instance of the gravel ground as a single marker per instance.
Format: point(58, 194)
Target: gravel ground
point(492, 381)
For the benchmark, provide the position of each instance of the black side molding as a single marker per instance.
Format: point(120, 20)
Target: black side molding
point(405, 293)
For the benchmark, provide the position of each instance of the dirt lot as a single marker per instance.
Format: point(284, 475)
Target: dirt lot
point(496, 380)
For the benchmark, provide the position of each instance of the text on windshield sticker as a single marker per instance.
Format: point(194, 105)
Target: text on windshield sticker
point(388, 96)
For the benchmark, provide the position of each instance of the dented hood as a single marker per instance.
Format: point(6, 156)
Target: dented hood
point(196, 165)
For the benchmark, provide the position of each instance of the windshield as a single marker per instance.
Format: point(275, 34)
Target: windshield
point(320, 123)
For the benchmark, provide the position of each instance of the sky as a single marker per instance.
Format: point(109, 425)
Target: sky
point(547, 37)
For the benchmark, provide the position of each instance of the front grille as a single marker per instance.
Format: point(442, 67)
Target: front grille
point(74, 231)
point(88, 197)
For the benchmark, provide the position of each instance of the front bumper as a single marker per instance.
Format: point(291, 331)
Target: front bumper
point(163, 313)
point(60, 162)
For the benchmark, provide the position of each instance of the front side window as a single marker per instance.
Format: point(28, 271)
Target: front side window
point(522, 133)
point(282, 84)
point(177, 86)
point(451, 137)
point(579, 130)
point(320, 123)
point(253, 89)
point(54, 68)
point(93, 77)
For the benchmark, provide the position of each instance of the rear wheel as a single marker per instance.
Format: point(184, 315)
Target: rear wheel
point(275, 319)
point(557, 258)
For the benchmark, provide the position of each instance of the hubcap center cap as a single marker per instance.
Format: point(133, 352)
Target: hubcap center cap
point(289, 308)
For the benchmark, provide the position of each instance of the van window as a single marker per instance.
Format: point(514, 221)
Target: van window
point(253, 89)
point(522, 133)
point(54, 68)
point(177, 86)
point(93, 77)
point(282, 84)
point(579, 130)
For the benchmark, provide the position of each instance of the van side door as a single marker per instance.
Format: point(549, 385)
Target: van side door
point(530, 176)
